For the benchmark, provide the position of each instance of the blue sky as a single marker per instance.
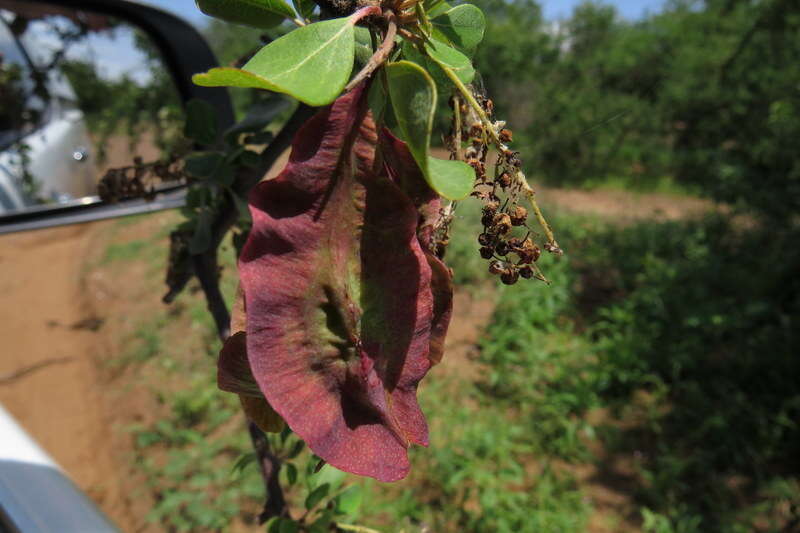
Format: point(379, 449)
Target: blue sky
point(553, 9)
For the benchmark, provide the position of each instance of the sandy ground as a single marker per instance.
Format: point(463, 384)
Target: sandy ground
point(50, 331)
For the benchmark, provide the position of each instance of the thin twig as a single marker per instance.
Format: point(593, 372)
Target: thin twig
point(275, 504)
point(7, 379)
point(207, 272)
point(457, 127)
point(381, 54)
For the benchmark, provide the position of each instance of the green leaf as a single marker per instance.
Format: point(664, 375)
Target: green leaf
point(282, 525)
point(201, 240)
point(241, 207)
point(363, 50)
point(413, 96)
point(288, 526)
point(349, 501)
point(463, 26)
point(201, 122)
point(453, 179)
point(323, 523)
point(296, 449)
point(448, 56)
point(305, 8)
point(440, 53)
point(377, 100)
point(224, 175)
point(202, 165)
point(258, 117)
point(249, 159)
point(291, 473)
point(312, 64)
point(243, 462)
point(258, 13)
point(329, 475)
point(316, 496)
point(434, 8)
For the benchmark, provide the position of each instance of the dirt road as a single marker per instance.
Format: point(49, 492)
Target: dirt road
point(50, 379)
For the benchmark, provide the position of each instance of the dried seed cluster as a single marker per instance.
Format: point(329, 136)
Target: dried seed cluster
point(506, 240)
point(138, 180)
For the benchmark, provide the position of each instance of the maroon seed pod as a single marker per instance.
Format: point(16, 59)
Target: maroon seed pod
point(526, 272)
point(487, 252)
point(484, 239)
point(519, 215)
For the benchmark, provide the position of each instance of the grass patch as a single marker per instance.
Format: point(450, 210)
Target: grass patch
point(661, 363)
point(126, 251)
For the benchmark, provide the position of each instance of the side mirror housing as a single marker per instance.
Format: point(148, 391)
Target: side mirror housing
point(56, 134)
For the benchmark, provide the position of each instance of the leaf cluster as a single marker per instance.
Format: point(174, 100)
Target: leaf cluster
point(425, 53)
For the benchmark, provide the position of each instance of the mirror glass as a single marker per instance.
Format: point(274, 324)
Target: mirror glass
point(81, 93)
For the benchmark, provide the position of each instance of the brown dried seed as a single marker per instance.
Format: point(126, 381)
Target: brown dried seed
point(506, 135)
point(519, 215)
point(502, 248)
point(480, 168)
point(491, 208)
point(510, 276)
point(512, 158)
point(486, 252)
point(487, 220)
point(526, 272)
point(496, 267)
point(501, 223)
point(528, 252)
point(484, 239)
point(504, 179)
point(476, 130)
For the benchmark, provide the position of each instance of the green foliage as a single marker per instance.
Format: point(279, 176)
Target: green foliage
point(705, 93)
point(413, 96)
point(463, 26)
point(258, 13)
point(312, 64)
point(201, 122)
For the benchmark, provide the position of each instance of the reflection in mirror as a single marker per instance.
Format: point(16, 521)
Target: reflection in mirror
point(81, 93)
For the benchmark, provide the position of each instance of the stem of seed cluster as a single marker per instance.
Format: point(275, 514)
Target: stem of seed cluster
point(526, 188)
point(457, 126)
point(381, 54)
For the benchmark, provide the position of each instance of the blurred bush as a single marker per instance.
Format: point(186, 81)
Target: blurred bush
point(703, 92)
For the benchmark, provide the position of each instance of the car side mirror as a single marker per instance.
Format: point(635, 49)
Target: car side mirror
point(87, 89)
